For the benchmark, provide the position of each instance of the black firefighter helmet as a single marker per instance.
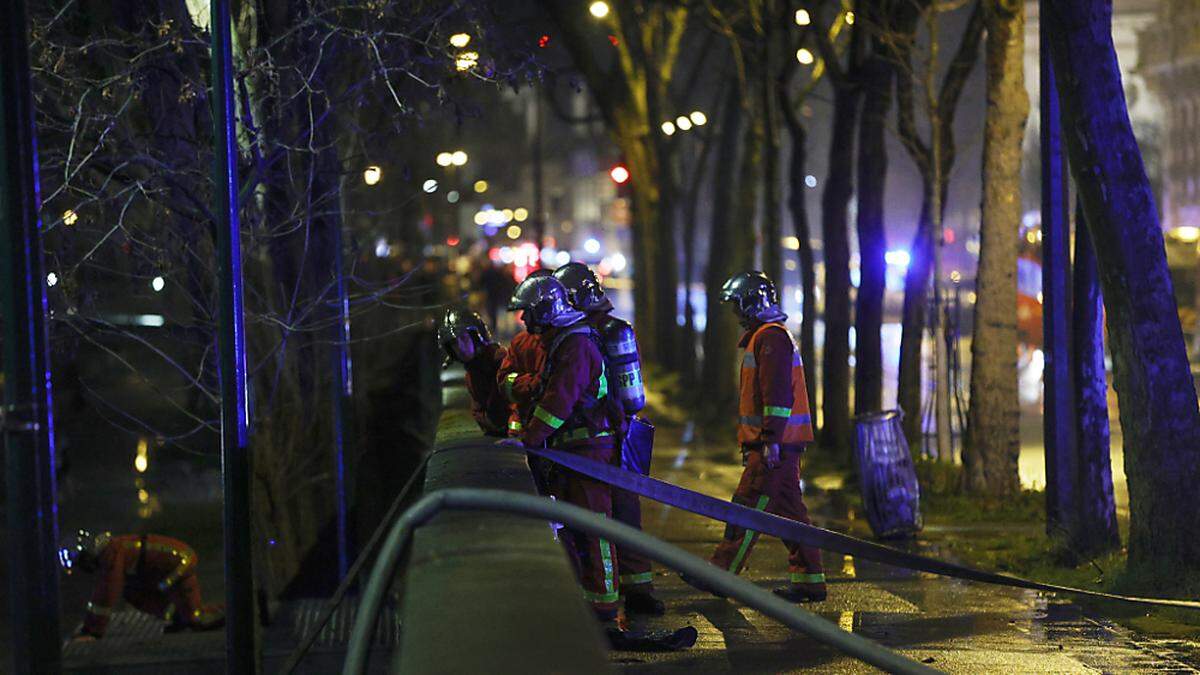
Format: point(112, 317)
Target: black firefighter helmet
point(543, 301)
point(584, 291)
point(459, 320)
point(754, 298)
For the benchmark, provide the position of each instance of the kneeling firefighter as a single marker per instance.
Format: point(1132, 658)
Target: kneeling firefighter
point(619, 349)
point(573, 411)
point(153, 573)
point(774, 426)
point(466, 339)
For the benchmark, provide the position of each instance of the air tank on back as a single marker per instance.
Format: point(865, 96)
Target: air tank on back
point(625, 364)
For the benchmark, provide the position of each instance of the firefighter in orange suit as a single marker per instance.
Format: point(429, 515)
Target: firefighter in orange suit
point(619, 348)
point(572, 412)
point(466, 339)
point(153, 573)
point(774, 426)
point(518, 373)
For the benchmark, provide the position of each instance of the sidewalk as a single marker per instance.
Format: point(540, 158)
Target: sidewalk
point(954, 626)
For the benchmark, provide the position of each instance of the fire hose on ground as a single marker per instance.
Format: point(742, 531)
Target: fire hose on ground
point(672, 556)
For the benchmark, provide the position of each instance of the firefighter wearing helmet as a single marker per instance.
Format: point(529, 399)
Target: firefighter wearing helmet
point(573, 411)
point(774, 426)
point(153, 573)
point(517, 377)
point(619, 349)
point(466, 339)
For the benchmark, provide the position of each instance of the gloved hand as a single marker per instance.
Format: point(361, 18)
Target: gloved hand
point(770, 453)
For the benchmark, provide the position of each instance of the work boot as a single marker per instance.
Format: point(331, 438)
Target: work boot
point(700, 585)
point(642, 601)
point(801, 593)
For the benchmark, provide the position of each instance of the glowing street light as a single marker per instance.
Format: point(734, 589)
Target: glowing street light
point(69, 217)
point(52, 279)
point(430, 186)
point(444, 159)
point(1188, 234)
point(460, 40)
point(810, 180)
point(804, 56)
point(849, 18)
point(668, 127)
point(683, 123)
point(158, 283)
point(458, 158)
point(513, 231)
point(698, 118)
point(520, 214)
point(592, 245)
point(481, 186)
point(466, 61)
point(372, 175)
point(599, 9)
point(802, 17)
point(619, 174)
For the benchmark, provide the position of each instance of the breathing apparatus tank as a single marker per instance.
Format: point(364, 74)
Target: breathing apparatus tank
point(624, 363)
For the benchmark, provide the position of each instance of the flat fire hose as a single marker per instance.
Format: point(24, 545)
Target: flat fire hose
point(811, 535)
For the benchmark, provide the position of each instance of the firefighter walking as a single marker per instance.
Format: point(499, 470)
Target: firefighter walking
point(153, 573)
point(774, 426)
point(573, 412)
point(620, 352)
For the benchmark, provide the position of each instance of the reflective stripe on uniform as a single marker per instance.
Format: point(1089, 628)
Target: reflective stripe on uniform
point(800, 419)
point(583, 433)
point(602, 388)
point(547, 417)
point(635, 579)
point(601, 597)
point(776, 411)
point(803, 578)
point(610, 586)
point(509, 381)
point(747, 537)
point(98, 610)
point(514, 425)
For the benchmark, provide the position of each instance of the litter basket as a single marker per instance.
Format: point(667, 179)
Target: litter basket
point(890, 492)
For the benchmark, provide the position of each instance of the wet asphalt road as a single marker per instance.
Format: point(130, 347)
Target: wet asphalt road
point(951, 625)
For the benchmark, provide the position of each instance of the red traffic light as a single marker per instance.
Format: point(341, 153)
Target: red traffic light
point(619, 174)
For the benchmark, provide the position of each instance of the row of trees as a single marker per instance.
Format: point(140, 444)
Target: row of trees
point(890, 67)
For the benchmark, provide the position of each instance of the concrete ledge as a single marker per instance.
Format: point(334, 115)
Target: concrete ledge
point(490, 592)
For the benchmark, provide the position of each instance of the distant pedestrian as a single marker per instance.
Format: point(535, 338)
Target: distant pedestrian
point(774, 427)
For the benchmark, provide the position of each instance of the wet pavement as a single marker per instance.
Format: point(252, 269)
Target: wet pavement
point(950, 625)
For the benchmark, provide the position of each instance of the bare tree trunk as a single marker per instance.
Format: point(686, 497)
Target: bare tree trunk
point(1159, 413)
point(835, 366)
point(728, 249)
point(772, 251)
point(993, 435)
point(912, 336)
point(872, 237)
point(808, 281)
point(1096, 520)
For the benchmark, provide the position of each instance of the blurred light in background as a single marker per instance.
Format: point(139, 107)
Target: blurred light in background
point(444, 159)
point(513, 232)
point(698, 118)
point(599, 9)
point(619, 174)
point(810, 180)
point(381, 248)
point(955, 277)
point(592, 245)
point(52, 279)
point(430, 186)
point(460, 40)
point(481, 186)
point(371, 175)
point(157, 283)
point(458, 158)
point(897, 258)
point(618, 262)
point(802, 17)
point(69, 217)
point(141, 460)
point(804, 56)
point(453, 241)
point(683, 123)
point(452, 196)
point(668, 127)
point(849, 18)
point(481, 218)
point(562, 258)
point(520, 214)
point(466, 61)
point(506, 255)
point(1188, 234)
point(791, 243)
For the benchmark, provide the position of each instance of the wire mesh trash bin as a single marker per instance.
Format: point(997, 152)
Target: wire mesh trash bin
point(887, 477)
